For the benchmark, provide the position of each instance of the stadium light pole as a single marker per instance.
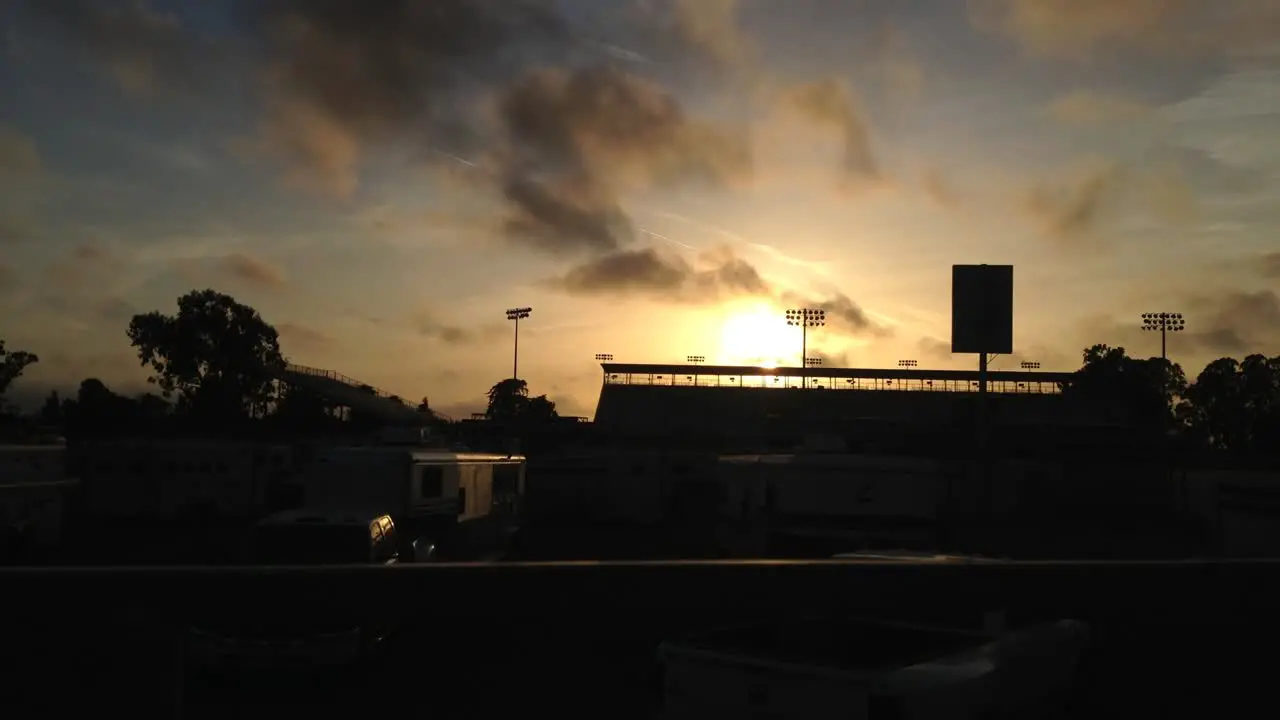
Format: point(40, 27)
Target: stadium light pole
point(1163, 323)
point(1029, 365)
point(907, 363)
point(811, 362)
point(603, 358)
point(695, 359)
point(805, 318)
point(517, 314)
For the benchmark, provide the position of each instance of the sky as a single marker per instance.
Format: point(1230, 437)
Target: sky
point(654, 178)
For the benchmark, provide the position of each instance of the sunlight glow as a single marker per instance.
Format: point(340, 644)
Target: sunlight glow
point(758, 334)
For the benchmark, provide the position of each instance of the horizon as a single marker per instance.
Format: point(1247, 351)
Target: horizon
point(655, 179)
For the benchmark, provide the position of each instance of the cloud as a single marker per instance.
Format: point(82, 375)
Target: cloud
point(1084, 29)
point(717, 276)
point(934, 349)
point(665, 276)
point(143, 51)
point(303, 337)
point(429, 325)
point(1235, 322)
point(341, 77)
point(19, 156)
point(253, 270)
point(842, 313)
point(575, 140)
point(711, 27)
point(17, 228)
point(1231, 322)
point(831, 103)
point(1087, 107)
point(939, 188)
point(1269, 265)
point(1071, 211)
point(1074, 208)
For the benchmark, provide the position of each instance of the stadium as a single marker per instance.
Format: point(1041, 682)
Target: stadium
point(773, 407)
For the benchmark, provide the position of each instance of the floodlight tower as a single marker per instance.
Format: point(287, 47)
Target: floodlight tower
point(603, 358)
point(517, 314)
point(811, 362)
point(695, 359)
point(1030, 365)
point(805, 318)
point(907, 363)
point(1163, 323)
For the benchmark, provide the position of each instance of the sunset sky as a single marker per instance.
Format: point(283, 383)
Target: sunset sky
point(655, 178)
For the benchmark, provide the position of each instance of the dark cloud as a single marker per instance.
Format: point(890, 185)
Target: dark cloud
point(1234, 322)
point(430, 326)
point(1072, 211)
point(253, 270)
point(719, 275)
point(142, 50)
point(1269, 265)
point(91, 252)
point(115, 310)
point(830, 102)
point(843, 314)
point(647, 272)
point(574, 140)
point(564, 215)
point(302, 337)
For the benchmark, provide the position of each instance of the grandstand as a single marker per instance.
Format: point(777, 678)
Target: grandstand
point(641, 399)
point(351, 393)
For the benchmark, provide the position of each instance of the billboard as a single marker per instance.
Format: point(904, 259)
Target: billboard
point(981, 308)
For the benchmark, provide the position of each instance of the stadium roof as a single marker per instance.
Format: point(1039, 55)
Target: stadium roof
point(1034, 376)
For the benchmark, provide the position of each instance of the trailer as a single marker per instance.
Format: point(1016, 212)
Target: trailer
point(466, 505)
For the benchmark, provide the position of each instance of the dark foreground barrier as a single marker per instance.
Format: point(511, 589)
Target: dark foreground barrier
point(477, 640)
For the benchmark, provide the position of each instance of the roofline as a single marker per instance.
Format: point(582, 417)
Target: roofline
point(825, 372)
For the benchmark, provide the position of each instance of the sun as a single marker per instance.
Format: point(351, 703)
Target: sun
point(757, 335)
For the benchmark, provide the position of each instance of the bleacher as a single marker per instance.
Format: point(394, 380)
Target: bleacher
point(360, 397)
point(646, 409)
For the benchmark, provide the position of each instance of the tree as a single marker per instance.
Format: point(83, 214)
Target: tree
point(1141, 392)
point(51, 412)
point(97, 411)
point(218, 356)
point(509, 401)
point(1235, 406)
point(12, 364)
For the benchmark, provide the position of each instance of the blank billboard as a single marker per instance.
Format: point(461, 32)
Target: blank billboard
point(982, 308)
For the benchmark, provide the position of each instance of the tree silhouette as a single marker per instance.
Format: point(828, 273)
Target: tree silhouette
point(1129, 390)
point(509, 402)
point(51, 413)
point(218, 356)
point(1235, 406)
point(12, 364)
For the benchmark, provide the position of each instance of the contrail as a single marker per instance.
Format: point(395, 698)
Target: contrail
point(660, 236)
